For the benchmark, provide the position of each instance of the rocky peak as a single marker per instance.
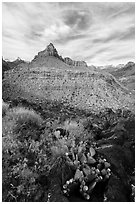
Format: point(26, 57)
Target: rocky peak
point(51, 51)
point(130, 64)
point(18, 59)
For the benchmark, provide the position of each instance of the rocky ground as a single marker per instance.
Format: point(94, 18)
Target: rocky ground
point(37, 150)
point(68, 134)
point(90, 90)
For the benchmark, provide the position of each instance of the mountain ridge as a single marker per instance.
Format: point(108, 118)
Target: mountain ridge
point(47, 76)
point(51, 51)
point(124, 74)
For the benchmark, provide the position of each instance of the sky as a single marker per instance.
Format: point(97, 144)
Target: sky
point(100, 33)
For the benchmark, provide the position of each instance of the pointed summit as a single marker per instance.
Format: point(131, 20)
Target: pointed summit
point(51, 46)
point(49, 51)
point(18, 60)
point(42, 56)
point(52, 50)
point(50, 57)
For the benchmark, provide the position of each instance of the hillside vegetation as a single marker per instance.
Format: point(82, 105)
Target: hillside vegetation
point(68, 133)
point(36, 165)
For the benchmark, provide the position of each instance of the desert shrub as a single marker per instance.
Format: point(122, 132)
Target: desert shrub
point(59, 148)
point(22, 122)
point(27, 163)
point(40, 162)
point(23, 165)
point(76, 129)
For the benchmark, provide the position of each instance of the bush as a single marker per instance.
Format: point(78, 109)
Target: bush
point(76, 130)
point(23, 164)
point(36, 162)
point(22, 122)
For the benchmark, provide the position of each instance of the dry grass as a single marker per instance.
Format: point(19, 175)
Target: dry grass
point(21, 121)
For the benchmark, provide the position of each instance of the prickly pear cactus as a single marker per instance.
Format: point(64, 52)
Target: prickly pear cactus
point(90, 169)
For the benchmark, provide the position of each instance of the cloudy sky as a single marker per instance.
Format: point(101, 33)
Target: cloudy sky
point(99, 33)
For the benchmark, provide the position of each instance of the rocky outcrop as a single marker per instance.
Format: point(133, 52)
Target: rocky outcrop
point(18, 61)
point(71, 62)
point(51, 51)
point(130, 64)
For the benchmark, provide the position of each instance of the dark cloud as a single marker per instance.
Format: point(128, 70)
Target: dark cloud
point(79, 19)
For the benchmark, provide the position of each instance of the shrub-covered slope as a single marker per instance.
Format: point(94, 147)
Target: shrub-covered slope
point(40, 156)
point(68, 134)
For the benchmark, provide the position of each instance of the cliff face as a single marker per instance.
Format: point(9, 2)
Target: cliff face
point(51, 51)
point(71, 62)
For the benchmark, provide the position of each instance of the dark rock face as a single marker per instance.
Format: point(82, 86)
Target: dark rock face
point(69, 61)
point(129, 64)
point(15, 63)
point(7, 65)
point(18, 61)
point(51, 51)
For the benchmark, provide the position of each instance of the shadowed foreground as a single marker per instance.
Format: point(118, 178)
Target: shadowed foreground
point(35, 143)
